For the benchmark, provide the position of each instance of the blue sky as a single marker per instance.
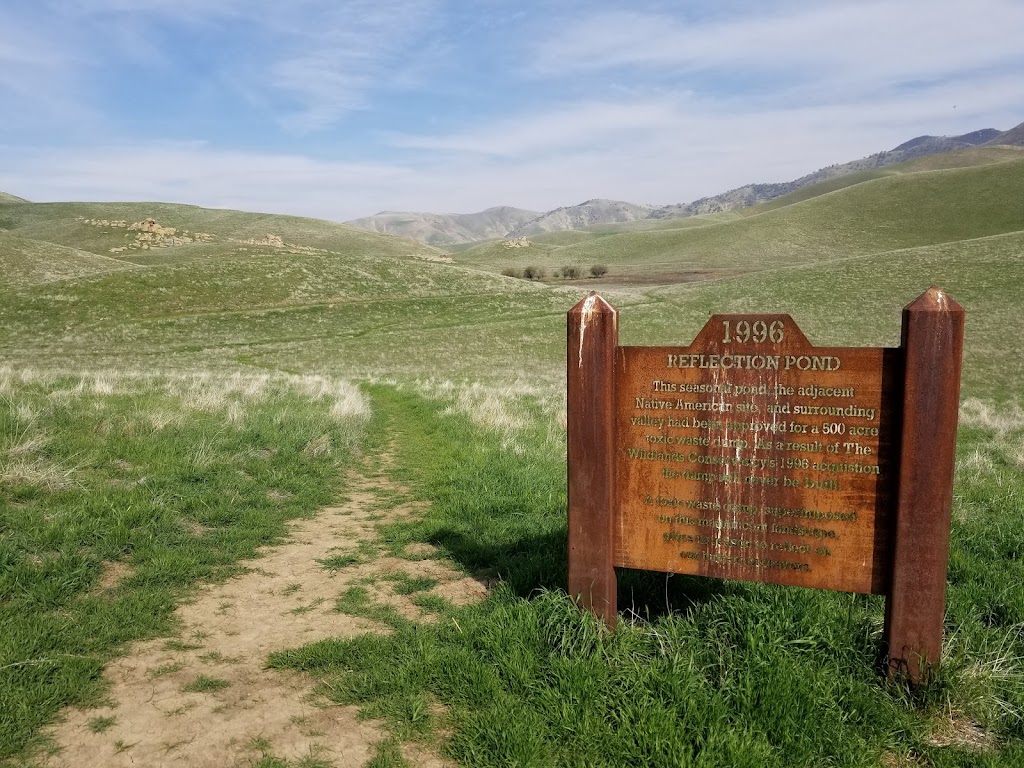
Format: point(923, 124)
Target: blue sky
point(342, 109)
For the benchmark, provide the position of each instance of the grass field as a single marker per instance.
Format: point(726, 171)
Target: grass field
point(164, 412)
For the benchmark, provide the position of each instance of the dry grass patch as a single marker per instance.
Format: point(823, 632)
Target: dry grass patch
point(962, 733)
point(113, 574)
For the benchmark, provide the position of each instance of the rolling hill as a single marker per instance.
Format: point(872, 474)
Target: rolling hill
point(494, 223)
point(443, 229)
point(329, 297)
point(968, 158)
point(32, 262)
point(893, 211)
point(79, 281)
point(1013, 137)
point(184, 232)
point(581, 216)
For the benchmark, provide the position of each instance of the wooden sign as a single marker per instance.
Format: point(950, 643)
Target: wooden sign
point(753, 454)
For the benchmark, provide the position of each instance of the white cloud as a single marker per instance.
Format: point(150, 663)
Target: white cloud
point(305, 62)
point(578, 125)
point(329, 56)
point(629, 127)
point(38, 77)
point(874, 43)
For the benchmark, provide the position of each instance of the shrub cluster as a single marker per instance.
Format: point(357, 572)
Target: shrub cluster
point(566, 273)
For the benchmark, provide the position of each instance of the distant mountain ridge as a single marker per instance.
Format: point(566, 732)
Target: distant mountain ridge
point(1013, 137)
point(442, 229)
point(595, 211)
point(752, 194)
point(929, 145)
point(453, 229)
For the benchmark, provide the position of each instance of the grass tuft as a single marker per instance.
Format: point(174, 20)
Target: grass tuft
point(101, 724)
point(204, 684)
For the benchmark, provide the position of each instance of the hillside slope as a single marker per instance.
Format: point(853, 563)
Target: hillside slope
point(442, 229)
point(31, 262)
point(216, 293)
point(968, 158)
point(753, 194)
point(857, 301)
point(358, 310)
point(1012, 137)
point(583, 215)
point(897, 211)
point(497, 223)
point(185, 232)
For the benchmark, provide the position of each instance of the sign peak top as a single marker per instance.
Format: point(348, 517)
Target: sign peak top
point(935, 300)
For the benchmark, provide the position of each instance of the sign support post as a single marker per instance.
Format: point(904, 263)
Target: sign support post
point(933, 334)
point(593, 335)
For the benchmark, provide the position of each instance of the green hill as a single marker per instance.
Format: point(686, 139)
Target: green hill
point(904, 210)
point(103, 228)
point(9, 198)
point(701, 220)
point(30, 262)
point(968, 158)
point(857, 301)
point(219, 293)
point(489, 250)
point(330, 297)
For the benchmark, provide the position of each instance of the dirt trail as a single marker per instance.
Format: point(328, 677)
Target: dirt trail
point(237, 712)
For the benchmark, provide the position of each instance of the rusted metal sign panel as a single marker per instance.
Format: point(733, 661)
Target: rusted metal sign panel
point(752, 454)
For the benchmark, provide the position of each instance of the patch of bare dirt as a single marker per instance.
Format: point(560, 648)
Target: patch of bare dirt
point(417, 550)
point(113, 574)
point(204, 697)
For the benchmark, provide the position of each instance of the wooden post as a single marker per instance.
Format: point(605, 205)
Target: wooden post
point(593, 334)
point(933, 332)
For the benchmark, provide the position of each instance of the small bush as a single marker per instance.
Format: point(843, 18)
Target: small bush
point(571, 273)
point(534, 273)
point(511, 272)
point(599, 270)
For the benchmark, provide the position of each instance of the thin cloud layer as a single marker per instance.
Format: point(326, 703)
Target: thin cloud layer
point(868, 44)
point(342, 109)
